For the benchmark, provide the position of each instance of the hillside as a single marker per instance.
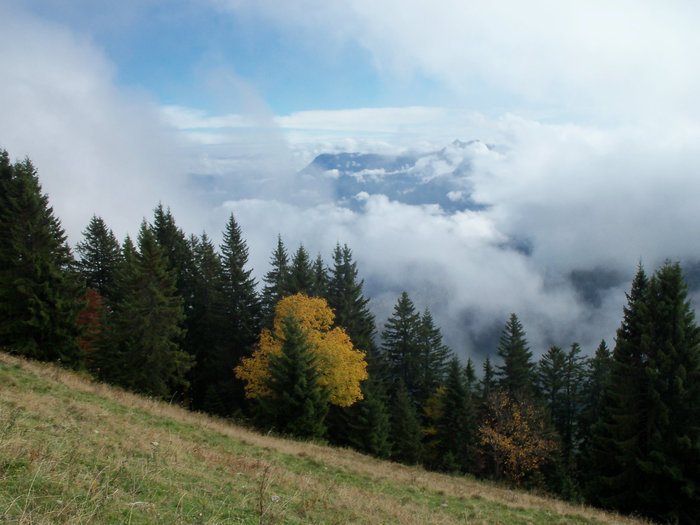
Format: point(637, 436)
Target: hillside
point(76, 451)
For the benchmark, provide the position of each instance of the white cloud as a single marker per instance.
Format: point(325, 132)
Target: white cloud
point(597, 59)
point(98, 149)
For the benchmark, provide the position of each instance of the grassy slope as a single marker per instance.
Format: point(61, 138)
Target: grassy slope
point(74, 451)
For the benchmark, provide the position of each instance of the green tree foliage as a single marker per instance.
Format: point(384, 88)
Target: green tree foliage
point(276, 281)
point(367, 423)
point(320, 273)
point(597, 373)
point(613, 476)
point(206, 326)
point(141, 350)
point(298, 404)
point(301, 273)
point(242, 317)
point(488, 380)
point(407, 445)
point(670, 460)
point(454, 441)
point(516, 374)
point(364, 424)
point(177, 251)
point(434, 357)
point(40, 294)
point(401, 348)
point(551, 371)
point(100, 256)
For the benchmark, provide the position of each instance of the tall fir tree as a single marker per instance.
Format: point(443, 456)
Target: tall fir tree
point(206, 324)
point(613, 477)
point(298, 403)
point(597, 374)
point(516, 374)
point(551, 371)
point(242, 314)
point(434, 357)
point(401, 347)
point(276, 281)
point(488, 380)
point(363, 425)
point(141, 350)
point(455, 435)
point(177, 251)
point(40, 293)
point(407, 444)
point(100, 256)
point(320, 273)
point(301, 273)
point(670, 461)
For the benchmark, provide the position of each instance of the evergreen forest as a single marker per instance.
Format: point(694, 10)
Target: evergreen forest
point(173, 316)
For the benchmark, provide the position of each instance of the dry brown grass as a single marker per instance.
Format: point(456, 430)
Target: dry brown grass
point(262, 482)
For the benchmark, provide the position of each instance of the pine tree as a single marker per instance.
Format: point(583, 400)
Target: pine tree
point(572, 404)
point(40, 294)
point(206, 324)
point(177, 251)
point(613, 477)
point(100, 256)
point(670, 460)
point(365, 424)
point(407, 446)
point(433, 357)
point(298, 404)
point(242, 312)
point(401, 347)
point(141, 350)
point(456, 426)
point(597, 374)
point(488, 381)
point(301, 273)
point(276, 283)
point(551, 372)
point(320, 273)
point(470, 375)
point(516, 375)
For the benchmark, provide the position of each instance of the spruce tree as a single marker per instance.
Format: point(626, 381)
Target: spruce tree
point(433, 357)
point(597, 373)
point(141, 350)
point(301, 273)
point(456, 426)
point(401, 347)
point(613, 476)
point(242, 316)
point(276, 283)
point(320, 283)
point(298, 404)
point(407, 444)
point(488, 380)
point(363, 425)
point(40, 294)
point(670, 460)
point(177, 251)
point(551, 371)
point(572, 404)
point(516, 374)
point(100, 256)
point(206, 325)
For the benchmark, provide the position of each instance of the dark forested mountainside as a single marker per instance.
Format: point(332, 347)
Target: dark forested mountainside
point(172, 316)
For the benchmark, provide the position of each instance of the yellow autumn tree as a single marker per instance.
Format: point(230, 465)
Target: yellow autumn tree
point(514, 433)
point(341, 366)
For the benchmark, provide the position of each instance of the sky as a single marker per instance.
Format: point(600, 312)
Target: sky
point(213, 106)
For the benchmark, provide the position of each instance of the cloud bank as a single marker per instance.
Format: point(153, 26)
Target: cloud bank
point(605, 192)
